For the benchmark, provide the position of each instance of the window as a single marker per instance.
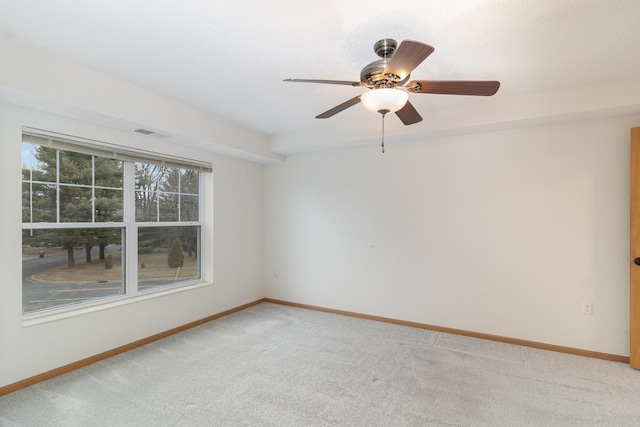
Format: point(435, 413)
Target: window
point(99, 222)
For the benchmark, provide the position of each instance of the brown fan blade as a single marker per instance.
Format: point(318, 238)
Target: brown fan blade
point(335, 110)
point(408, 114)
point(329, 82)
point(452, 87)
point(408, 56)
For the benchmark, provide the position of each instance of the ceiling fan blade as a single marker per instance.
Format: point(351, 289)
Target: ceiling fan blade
point(408, 56)
point(330, 82)
point(408, 114)
point(453, 87)
point(335, 110)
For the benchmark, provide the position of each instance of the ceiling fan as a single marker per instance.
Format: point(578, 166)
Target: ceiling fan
point(388, 81)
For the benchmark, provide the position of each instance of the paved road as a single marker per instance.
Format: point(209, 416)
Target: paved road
point(37, 295)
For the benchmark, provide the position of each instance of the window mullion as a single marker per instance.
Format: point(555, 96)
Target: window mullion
point(57, 185)
point(131, 231)
point(31, 192)
point(179, 197)
point(93, 189)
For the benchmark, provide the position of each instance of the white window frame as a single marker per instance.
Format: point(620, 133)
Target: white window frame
point(129, 225)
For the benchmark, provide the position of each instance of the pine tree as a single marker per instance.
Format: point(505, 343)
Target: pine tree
point(64, 178)
point(108, 263)
point(176, 254)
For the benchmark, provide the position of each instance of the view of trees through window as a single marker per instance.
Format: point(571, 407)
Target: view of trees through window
point(77, 222)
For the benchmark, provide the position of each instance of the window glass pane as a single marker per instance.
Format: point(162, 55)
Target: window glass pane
point(146, 206)
point(166, 194)
point(189, 183)
point(63, 267)
point(26, 202)
point(167, 255)
point(169, 207)
point(108, 205)
point(75, 204)
point(108, 172)
point(79, 175)
point(171, 183)
point(189, 208)
point(38, 163)
point(44, 202)
point(169, 196)
point(75, 168)
point(149, 177)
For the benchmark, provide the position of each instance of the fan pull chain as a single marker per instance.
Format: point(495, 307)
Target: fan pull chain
point(383, 113)
point(383, 134)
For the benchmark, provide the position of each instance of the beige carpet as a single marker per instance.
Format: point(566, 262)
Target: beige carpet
point(273, 365)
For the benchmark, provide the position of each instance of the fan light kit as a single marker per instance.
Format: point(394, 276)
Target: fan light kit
point(387, 81)
point(387, 99)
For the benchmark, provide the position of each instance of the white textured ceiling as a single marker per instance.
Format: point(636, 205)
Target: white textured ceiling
point(230, 57)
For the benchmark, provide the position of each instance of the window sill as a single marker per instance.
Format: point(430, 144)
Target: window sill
point(38, 319)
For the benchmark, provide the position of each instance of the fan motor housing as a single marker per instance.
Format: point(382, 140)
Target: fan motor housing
point(372, 74)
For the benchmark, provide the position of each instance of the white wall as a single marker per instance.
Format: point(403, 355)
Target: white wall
point(234, 260)
point(503, 232)
point(59, 96)
point(38, 80)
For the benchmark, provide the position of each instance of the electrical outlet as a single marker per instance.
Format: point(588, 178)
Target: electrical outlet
point(587, 308)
